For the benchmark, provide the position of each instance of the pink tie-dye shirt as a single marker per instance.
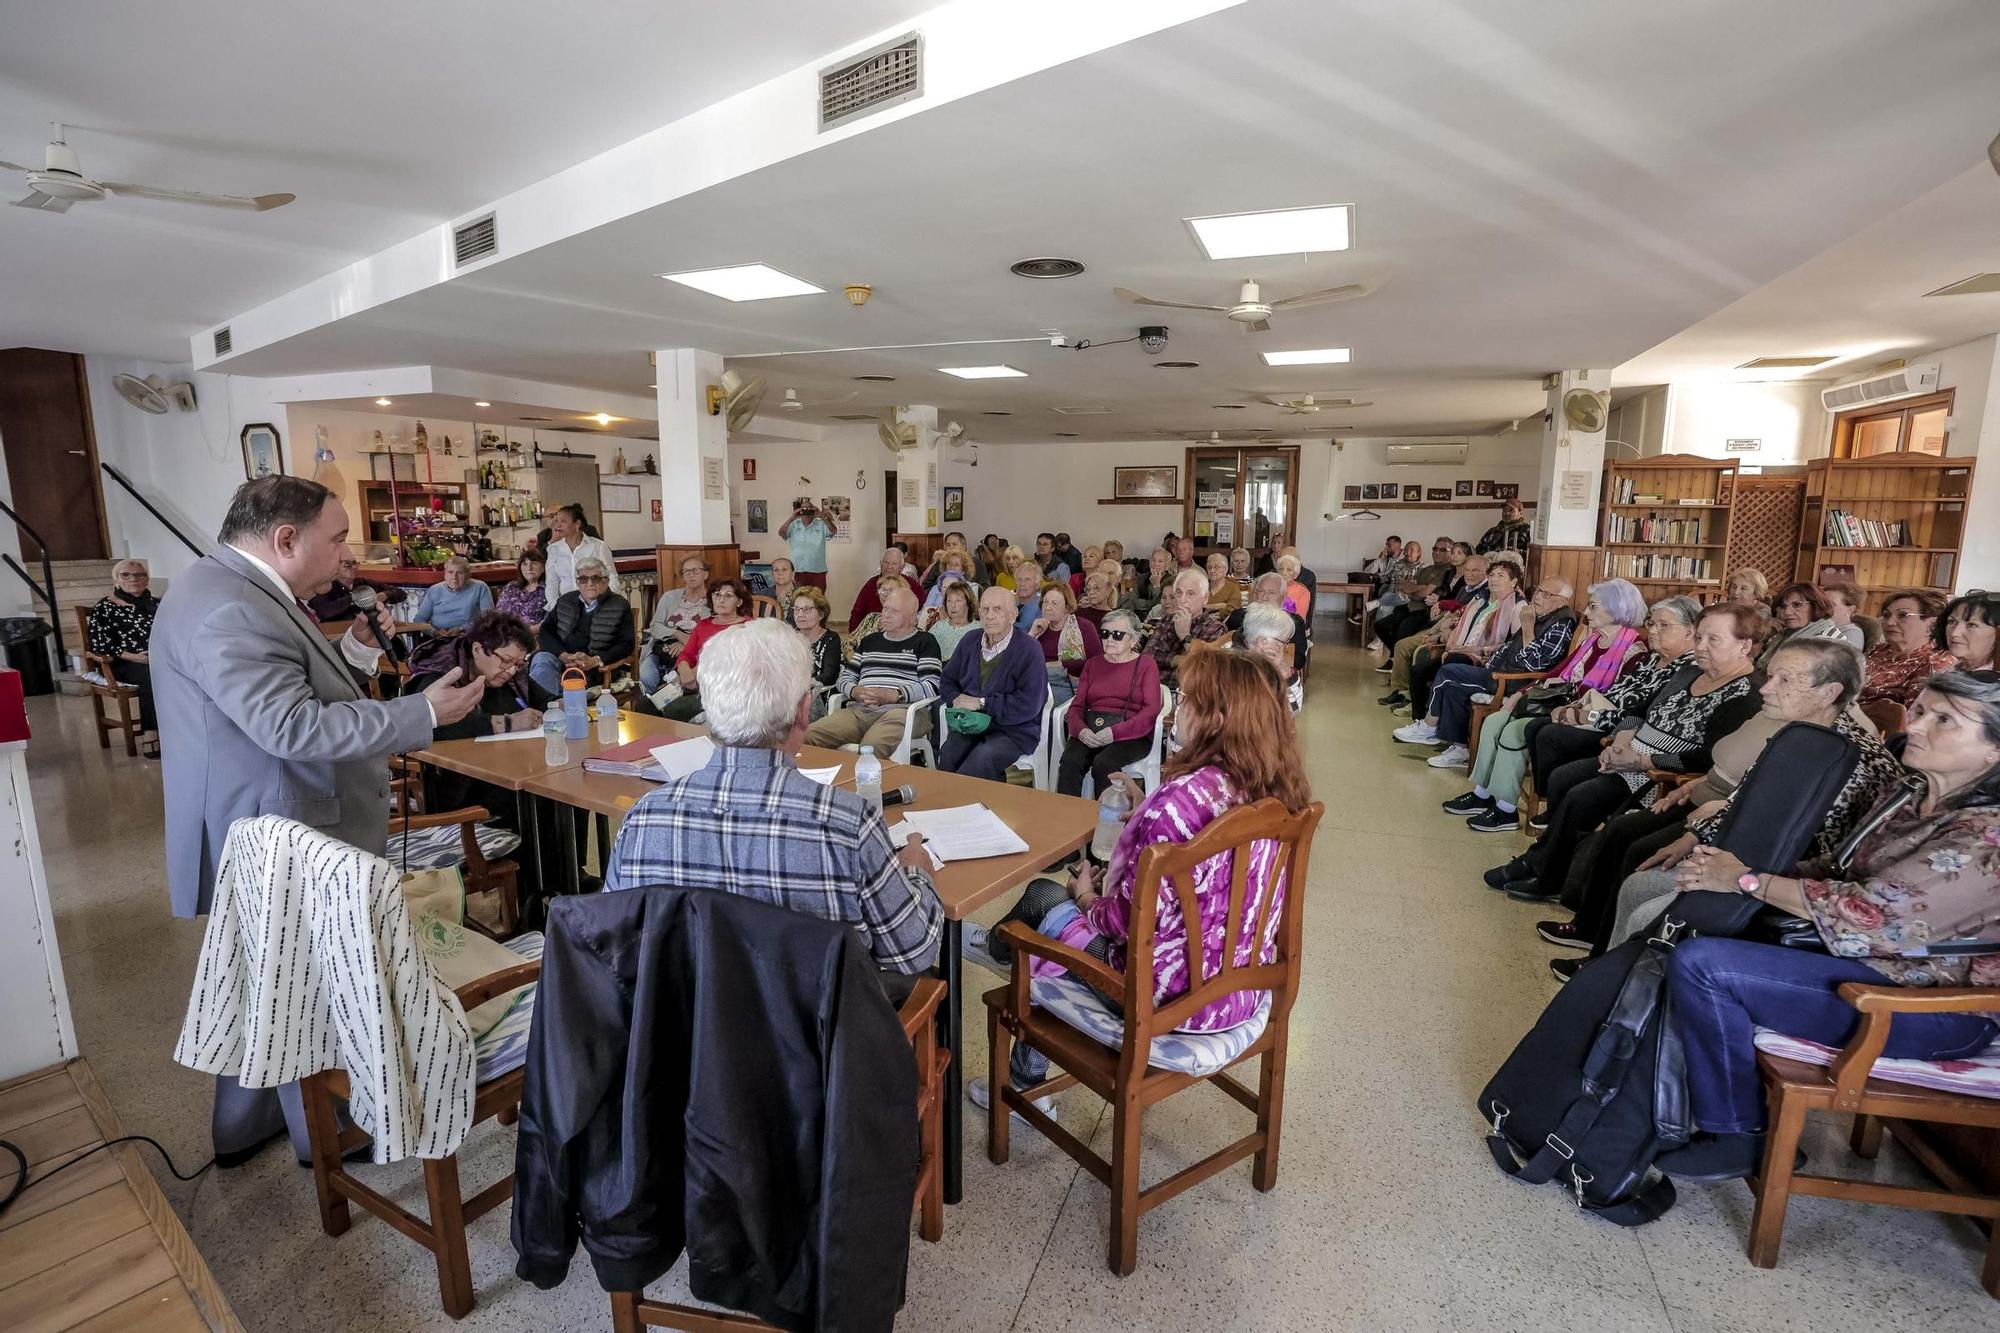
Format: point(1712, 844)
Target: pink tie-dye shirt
point(1176, 811)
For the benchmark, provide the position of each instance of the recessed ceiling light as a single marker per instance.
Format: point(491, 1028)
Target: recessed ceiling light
point(984, 372)
point(1784, 362)
point(1284, 231)
point(604, 418)
point(1316, 356)
point(1046, 267)
point(744, 282)
point(381, 402)
point(996, 414)
point(482, 404)
point(877, 379)
point(1175, 365)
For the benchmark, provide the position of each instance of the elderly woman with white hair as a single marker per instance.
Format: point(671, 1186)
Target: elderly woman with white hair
point(1267, 630)
point(119, 630)
point(1298, 597)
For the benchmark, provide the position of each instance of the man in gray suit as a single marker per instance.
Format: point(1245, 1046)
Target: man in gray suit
point(260, 713)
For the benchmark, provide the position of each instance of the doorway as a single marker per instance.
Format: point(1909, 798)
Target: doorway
point(51, 454)
point(1240, 497)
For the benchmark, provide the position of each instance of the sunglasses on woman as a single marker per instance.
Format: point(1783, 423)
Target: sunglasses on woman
point(1115, 635)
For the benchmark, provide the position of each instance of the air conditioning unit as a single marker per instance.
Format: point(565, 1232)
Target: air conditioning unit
point(1907, 382)
point(1427, 453)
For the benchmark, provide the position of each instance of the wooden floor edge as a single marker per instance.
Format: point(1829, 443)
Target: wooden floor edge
point(173, 1237)
point(32, 1076)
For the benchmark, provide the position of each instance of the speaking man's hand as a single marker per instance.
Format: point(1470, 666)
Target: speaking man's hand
point(451, 700)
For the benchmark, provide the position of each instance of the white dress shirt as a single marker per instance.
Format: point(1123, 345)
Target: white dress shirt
point(563, 559)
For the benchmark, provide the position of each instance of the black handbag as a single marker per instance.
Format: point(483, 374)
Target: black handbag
point(1543, 699)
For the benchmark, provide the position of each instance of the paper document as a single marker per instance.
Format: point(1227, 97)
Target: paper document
point(965, 833)
point(899, 833)
point(534, 735)
point(683, 757)
point(823, 776)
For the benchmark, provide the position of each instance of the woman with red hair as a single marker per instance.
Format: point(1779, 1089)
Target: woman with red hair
point(1237, 746)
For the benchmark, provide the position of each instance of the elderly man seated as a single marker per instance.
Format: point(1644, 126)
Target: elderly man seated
point(678, 611)
point(869, 600)
point(1267, 632)
point(892, 667)
point(588, 627)
point(1188, 620)
point(1270, 590)
point(450, 605)
point(995, 687)
point(751, 823)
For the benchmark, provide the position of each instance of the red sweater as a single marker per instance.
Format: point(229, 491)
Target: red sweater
point(869, 600)
point(1131, 688)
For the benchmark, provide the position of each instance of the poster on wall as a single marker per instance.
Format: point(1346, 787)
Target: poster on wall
point(1482, 487)
point(759, 515)
point(840, 509)
point(1371, 490)
point(1575, 490)
point(954, 504)
point(1437, 493)
point(656, 510)
point(1413, 493)
point(1507, 490)
point(711, 478)
point(910, 500)
point(1350, 494)
point(1225, 527)
point(749, 469)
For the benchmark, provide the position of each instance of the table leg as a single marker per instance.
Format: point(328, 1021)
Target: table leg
point(603, 846)
point(572, 866)
point(528, 820)
point(953, 1018)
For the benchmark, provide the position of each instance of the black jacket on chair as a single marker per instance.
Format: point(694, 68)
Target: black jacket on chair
point(712, 1073)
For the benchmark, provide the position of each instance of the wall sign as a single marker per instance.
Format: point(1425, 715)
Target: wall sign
point(1744, 446)
point(711, 478)
point(1576, 490)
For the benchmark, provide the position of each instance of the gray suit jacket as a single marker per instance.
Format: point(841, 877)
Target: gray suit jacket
point(261, 715)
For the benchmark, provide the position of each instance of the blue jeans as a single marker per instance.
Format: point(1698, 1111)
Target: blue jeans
point(1723, 989)
point(1027, 1066)
point(546, 669)
point(652, 672)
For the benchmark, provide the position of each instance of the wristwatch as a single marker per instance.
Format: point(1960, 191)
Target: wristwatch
point(1751, 882)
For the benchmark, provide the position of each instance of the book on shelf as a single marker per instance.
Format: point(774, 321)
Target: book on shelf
point(1844, 528)
point(1693, 500)
point(1694, 569)
point(1665, 531)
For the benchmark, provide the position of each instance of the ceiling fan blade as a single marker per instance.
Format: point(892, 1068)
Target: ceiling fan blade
point(16, 166)
point(262, 203)
point(1331, 294)
point(47, 203)
point(1130, 297)
point(1258, 326)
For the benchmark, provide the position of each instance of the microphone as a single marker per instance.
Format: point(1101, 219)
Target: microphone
point(902, 795)
point(364, 601)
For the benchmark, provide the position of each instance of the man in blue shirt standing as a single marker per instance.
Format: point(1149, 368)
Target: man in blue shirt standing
point(806, 533)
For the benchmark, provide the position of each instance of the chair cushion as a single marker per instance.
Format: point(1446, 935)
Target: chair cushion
point(504, 1048)
point(1973, 1075)
point(1195, 1053)
point(436, 848)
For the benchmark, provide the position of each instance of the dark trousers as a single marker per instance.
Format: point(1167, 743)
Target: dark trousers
point(1580, 798)
point(1392, 627)
point(986, 756)
point(139, 675)
point(1451, 699)
point(1551, 745)
point(684, 708)
point(1101, 763)
point(1607, 858)
point(1723, 990)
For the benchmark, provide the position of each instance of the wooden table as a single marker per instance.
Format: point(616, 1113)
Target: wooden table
point(1359, 592)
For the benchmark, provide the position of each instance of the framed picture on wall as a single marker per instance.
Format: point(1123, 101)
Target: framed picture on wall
point(1506, 490)
point(1371, 491)
point(1146, 483)
point(1483, 486)
point(757, 515)
point(954, 504)
point(1436, 493)
point(749, 469)
point(1351, 494)
point(1413, 493)
point(263, 451)
point(617, 498)
point(1464, 488)
point(1390, 490)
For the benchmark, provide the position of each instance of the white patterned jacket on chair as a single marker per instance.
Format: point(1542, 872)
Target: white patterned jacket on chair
point(311, 962)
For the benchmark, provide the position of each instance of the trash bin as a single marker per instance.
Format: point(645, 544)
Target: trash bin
point(23, 638)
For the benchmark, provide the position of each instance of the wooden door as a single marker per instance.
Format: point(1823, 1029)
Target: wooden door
point(51, 454)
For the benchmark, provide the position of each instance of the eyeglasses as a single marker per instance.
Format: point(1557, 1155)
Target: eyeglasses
point(1115, 635)
point(1907, 615)
point(592, 578)
point(134, 574)
point(511, 663)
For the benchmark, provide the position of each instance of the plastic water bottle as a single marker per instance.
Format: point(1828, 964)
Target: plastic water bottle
point(868, 777)
point(607, 718)
point(555, 745)
point(1112, 807)
point(575, 706)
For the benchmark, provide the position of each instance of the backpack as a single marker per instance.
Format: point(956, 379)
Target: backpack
point(1597, 1089)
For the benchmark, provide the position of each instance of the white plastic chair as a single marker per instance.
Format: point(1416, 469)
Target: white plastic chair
point(1146, 771)
point(1041, 761)
point(911, 742)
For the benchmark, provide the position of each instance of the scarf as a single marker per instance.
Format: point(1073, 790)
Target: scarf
point(1488, 623)
point(1590, 667)
point(1069, 643)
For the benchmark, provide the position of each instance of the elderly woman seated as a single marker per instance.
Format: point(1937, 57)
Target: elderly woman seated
point(1224, 593)
point(1267, 633)
point(1477, 632)
point(1923, 880)
point(1799, 611)
point(1110, 720)
point(1269, 590)
point(1536, 645)
point(118, 630)
point(729, 600)
point(1969, 630)
point(496, 647)
point(1238, 746)
point(1067, 639)
point(1811, 681)
point(1906, 658)
point(1676, 729)
point(452, 603)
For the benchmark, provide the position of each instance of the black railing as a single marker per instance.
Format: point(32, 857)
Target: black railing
point(165, 522)
point(46, 589)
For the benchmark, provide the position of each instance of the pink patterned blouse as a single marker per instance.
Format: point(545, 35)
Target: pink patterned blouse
point(1176, 811)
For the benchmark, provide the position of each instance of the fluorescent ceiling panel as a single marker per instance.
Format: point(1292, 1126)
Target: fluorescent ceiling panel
point(1284, 231)
point(744, 282)
point(1318, 356)
point(984, 372)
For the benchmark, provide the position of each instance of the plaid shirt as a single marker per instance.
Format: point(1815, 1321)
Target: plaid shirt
point(750, 823)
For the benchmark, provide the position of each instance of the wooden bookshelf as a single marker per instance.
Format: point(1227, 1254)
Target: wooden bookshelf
point(1911, 508)
point(411, 496)
point(1666, 509)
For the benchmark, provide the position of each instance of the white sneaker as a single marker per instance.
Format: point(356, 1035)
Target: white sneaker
point(976, 1090)
point(1452, 756)
point(1482, 698)
point(1375, 646)
point(1419, 732)
point(974, 946)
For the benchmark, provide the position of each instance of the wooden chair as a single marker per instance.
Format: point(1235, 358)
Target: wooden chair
point(126, 697)
point(1890, 718)
point(1793, 1088)
point(443, 1233)
point(1124, 1075)
point(499, 878)
point(762, 607)
point(632, 1311)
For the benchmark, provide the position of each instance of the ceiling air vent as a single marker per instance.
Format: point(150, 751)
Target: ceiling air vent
point(222, 341)
point(874, 80)
point(475, 240)
point(1785, 363)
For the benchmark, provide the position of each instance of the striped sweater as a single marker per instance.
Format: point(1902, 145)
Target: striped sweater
point(910, 665)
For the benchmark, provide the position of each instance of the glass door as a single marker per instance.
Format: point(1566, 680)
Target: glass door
point(1240, 497)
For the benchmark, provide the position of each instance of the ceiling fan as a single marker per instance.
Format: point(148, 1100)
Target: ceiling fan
point(1309, 403)
point(1251, 310)
point(793, 403)
point(61, 182)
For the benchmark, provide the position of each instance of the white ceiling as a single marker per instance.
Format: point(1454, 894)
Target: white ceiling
point(384, 118)
point(1539, 183)
point(1861, 301)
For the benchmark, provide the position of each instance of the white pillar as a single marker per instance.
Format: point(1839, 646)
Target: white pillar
point(694, 453)
point(1572, 476)
point(917, 504)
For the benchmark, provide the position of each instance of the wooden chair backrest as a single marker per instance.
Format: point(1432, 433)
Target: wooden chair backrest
point(1166, 874)
point(762, 607)
point(1890, 718)
point(1208, 645)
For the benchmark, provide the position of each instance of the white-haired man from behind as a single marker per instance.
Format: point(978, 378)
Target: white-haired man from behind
point(751, 823)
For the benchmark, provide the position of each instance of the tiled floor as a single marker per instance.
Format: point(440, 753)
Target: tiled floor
point(1388, 1212)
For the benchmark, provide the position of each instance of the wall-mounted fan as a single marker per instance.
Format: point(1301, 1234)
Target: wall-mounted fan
point(738, 395)
point(1251, 310)
point(1583, 409)
point(897, 433)
point(154, 394)
point(61, 182)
